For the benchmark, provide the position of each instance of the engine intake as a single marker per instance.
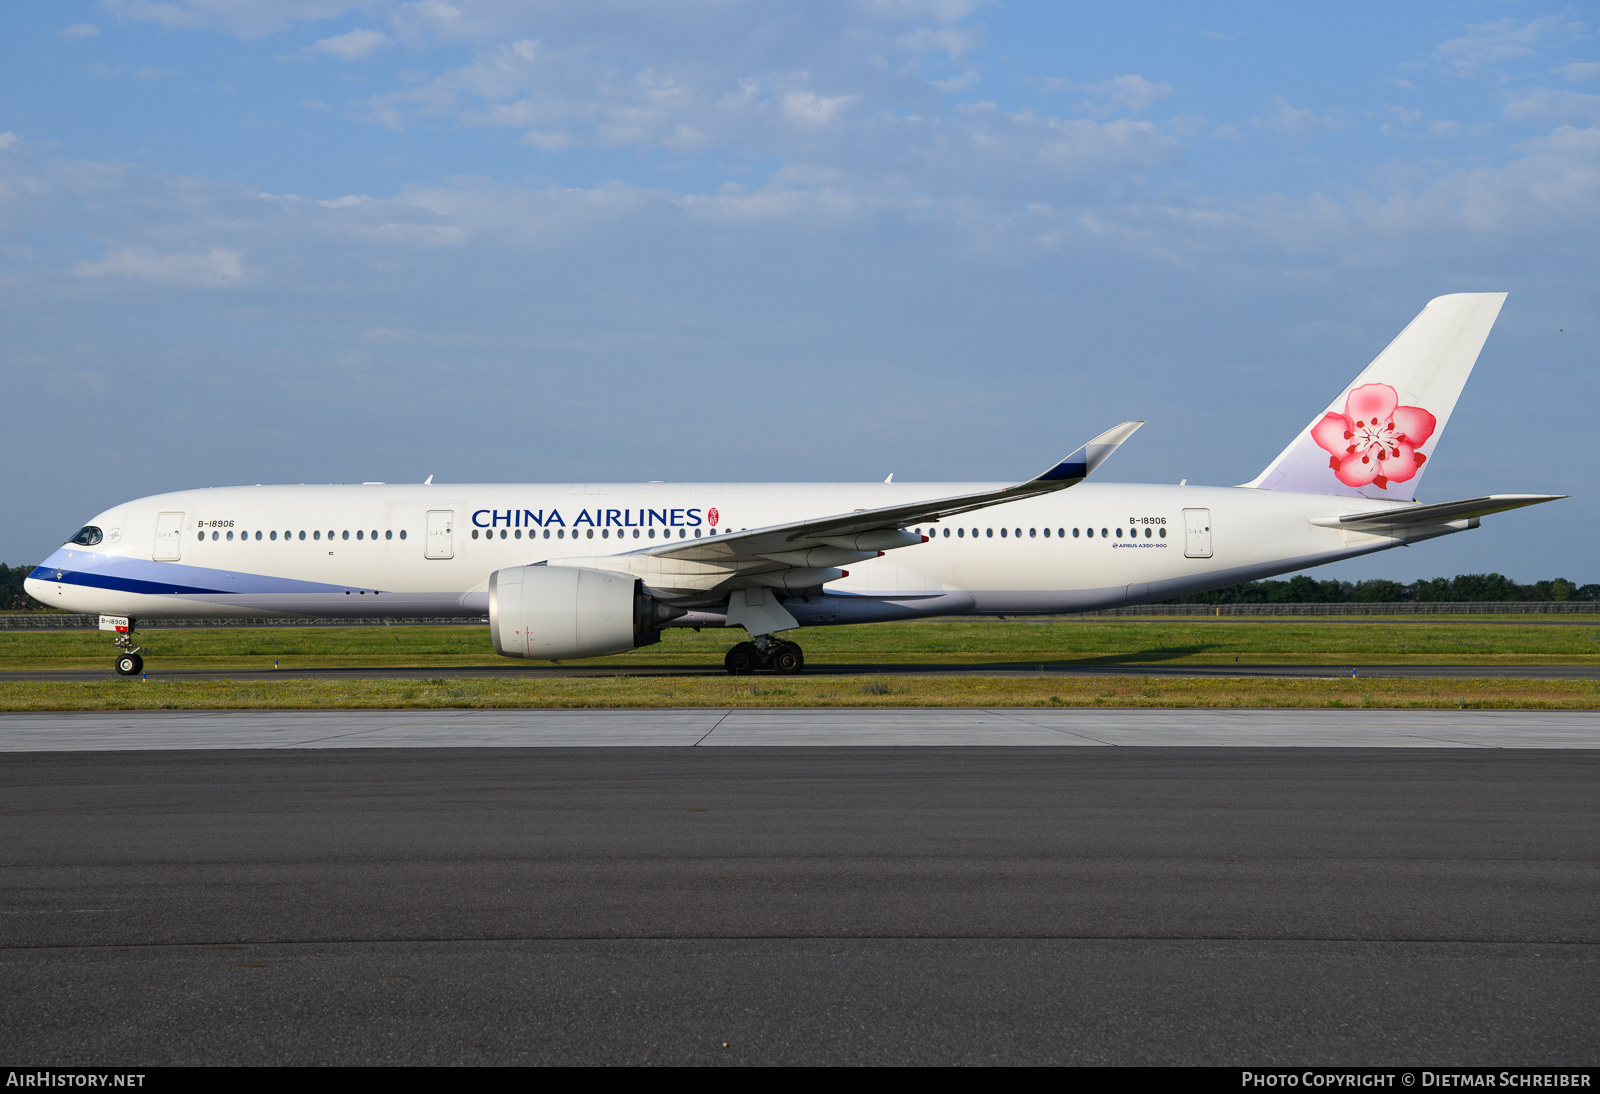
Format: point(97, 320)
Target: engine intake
point(551, 613)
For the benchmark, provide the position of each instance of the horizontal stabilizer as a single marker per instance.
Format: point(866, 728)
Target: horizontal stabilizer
point(1410, 516)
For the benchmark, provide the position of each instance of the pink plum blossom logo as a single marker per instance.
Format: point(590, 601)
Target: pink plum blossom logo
point(1375, 440)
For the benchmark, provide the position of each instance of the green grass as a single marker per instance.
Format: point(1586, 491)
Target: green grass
point(833, 691)
point(1087, 642)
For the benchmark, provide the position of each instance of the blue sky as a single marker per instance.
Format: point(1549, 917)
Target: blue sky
point(313, 240)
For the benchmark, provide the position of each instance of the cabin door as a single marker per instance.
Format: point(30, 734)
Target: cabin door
point(169, 537)
point(441, 532)
point(1197, 533)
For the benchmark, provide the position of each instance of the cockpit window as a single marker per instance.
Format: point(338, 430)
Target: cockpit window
point(87, 536)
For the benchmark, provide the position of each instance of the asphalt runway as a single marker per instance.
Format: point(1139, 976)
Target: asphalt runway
point(824, 727)
point(510, 670)
point(823, 904)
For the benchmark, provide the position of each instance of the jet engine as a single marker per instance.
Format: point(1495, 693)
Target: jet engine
point(550, 613)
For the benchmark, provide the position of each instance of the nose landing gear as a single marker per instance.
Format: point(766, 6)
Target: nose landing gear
point(129, 663)
point(765, 652)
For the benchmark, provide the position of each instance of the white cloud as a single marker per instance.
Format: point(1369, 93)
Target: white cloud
point(1135, 92)
point(1580, 71)
point(951, 41)
point(80, 30)
point(246, 19)
point(1129, 90)
point(1486, 45)
point(967, 79)
point(1296, 123)
point(354, 45)
point(1549, 105)
point(11, 144)
point(813, 109)
point(215, 268)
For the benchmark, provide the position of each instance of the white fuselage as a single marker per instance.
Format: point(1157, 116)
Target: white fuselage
point(379, 550)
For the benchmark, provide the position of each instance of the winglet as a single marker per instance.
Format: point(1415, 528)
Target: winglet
point(1081, 464)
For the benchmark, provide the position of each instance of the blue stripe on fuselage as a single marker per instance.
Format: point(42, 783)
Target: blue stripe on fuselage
point(94, 570)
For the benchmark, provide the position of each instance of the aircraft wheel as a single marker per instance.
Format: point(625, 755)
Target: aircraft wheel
point(788, 659)
point(130, 664)
point(742, 659)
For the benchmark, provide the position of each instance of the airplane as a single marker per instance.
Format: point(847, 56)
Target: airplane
point(581, 570)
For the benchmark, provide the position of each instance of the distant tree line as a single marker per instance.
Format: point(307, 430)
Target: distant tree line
point(12, 598)
point(1468, 587)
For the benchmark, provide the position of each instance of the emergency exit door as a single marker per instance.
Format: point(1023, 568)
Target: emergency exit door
point(1197, 533)
point(440, 541)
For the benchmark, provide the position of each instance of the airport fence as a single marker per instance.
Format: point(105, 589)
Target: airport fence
point(1403, 607)
point(67, 621)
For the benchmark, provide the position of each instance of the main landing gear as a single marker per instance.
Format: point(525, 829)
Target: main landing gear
point(765, 652)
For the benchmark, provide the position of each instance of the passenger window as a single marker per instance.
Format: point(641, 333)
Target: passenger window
point(1002, 533)
point(316, 534)
point(302, 535)
point(402, 533)
point(605, 533)
point(359, 534)
point(1104, 533)
point(561, 533)
point(388, 533)
point(947, 533)
point(474, 533)
point(636, 533)
point(1119, 531)
point(1163, 533)
point(1062, 532)
point(519, 534)
point(202, 535)
point(961, 532)
point(374, 536)
point(1032, 532)
point(230, 537)
point(347, 533)
point(1089, 532)
point(273, 537)
point(1074, 533)
point(652, 533)
point(588, 533)
point(1019, 533)
point(1147, 533)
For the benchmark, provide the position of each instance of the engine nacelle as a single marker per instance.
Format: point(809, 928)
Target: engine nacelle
point(551, 613)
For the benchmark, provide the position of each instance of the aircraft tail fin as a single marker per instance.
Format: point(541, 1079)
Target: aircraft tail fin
point(1375, 439)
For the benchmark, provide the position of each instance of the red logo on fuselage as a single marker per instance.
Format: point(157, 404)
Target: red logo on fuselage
point(711, 517)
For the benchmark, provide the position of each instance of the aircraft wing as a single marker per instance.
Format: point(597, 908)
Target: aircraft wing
point(804, 554)
point(1409, 516)
point(823, 531)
